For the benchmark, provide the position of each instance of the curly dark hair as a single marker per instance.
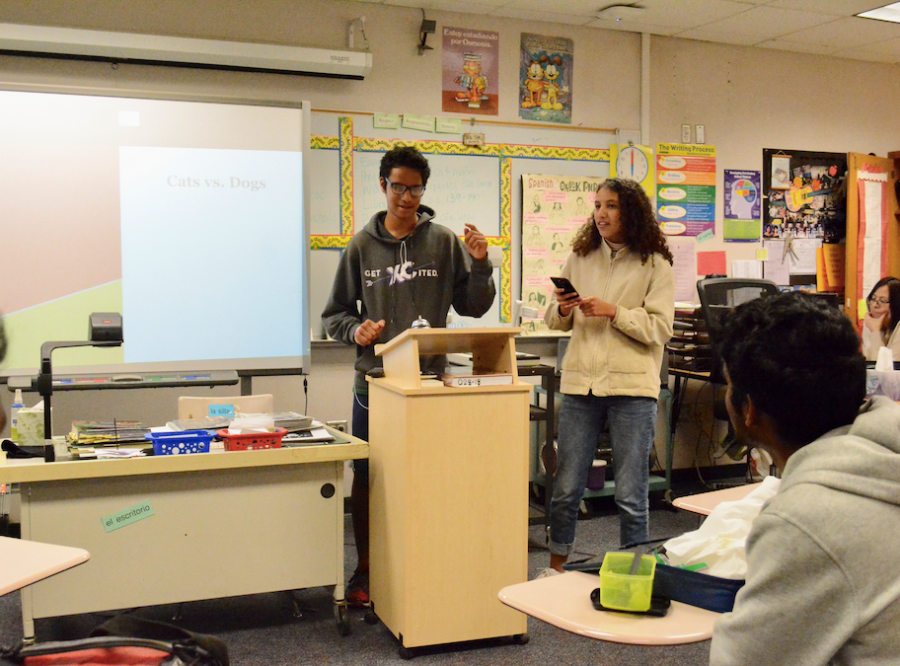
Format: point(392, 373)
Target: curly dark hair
point(405, 156)
point(798, 358)
point(642, 232)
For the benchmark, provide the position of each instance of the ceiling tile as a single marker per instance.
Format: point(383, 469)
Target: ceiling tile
point(587, 8)
point(826, 27)
point(846, 33)
point(866, 54)
point(459, 6)
point(889, 46)
point(755, 25)
point(780, 45)
point(633, 26)
point(509, 12)
point(683, 13)
point(836, 7)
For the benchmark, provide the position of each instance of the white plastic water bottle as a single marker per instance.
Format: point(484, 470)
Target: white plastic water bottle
point(14, 416)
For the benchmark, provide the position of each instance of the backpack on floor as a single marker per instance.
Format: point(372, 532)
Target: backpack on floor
point(125, 641)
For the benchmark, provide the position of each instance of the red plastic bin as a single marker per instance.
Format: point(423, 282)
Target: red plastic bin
point(252, 441)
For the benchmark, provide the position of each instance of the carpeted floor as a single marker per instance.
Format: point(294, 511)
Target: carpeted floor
point(260, 630)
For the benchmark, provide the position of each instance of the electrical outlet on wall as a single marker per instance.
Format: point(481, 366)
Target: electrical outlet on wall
point(685, 133)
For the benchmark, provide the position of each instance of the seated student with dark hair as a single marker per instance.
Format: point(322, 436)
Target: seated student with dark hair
point(823, 570)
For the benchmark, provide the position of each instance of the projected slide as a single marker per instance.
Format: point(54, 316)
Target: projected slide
point(186, 217)
point(210, 240)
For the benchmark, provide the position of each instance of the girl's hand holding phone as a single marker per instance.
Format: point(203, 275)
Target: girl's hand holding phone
point(568, 301)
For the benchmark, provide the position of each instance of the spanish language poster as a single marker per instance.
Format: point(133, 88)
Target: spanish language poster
point(470, 64)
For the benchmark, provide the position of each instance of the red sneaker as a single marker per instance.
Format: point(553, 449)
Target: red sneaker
point(358, 589)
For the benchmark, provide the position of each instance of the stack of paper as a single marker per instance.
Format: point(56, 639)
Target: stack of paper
point(316, 434)
point(106, 433)
point(292, 421)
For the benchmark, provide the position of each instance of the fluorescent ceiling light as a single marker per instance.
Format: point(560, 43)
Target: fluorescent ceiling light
point(620, 13)
point(889, 12)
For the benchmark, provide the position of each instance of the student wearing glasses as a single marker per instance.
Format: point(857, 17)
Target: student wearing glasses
point(880, 324)
point(400, 267)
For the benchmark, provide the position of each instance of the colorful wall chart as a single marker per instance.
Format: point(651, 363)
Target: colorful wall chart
point(742, 205)
point(686, 188)
point(554, 208)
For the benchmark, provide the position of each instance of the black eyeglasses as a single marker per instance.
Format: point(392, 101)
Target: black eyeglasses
point(397, 188)
point(879, 301)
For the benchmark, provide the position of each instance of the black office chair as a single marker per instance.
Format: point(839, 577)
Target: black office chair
point(717, 297)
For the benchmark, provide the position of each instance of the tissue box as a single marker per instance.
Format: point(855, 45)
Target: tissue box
point(31, 426)
point(877, 383)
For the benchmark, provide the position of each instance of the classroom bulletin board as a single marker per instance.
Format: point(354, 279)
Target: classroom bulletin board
point(477, 184)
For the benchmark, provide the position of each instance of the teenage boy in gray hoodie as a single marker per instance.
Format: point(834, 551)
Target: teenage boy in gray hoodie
point(400, 267)
point(823, 571)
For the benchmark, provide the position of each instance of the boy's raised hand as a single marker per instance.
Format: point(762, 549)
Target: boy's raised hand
point(476, 243)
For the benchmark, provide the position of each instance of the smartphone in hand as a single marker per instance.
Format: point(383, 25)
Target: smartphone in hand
point(564, 284)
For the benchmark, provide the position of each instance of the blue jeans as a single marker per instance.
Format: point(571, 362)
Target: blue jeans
point(582, 418)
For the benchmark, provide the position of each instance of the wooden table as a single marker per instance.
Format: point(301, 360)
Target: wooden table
point(25, 562)
point(212, 525)
point(704, 503)
point(565, 602)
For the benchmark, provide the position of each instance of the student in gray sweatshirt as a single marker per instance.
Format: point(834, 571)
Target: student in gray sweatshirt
point(400, 267)
point(823, 572)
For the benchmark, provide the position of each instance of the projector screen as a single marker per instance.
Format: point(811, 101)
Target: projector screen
point(187, 217)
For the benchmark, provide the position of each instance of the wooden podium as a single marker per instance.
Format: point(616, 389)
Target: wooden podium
point(448, 487)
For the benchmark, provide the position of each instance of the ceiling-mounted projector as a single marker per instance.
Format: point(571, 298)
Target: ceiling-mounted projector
point(123, 47)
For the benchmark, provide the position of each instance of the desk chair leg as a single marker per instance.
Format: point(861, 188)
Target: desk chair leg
point(298, 610)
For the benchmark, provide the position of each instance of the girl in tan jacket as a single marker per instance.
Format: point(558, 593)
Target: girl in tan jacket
point(620, 319)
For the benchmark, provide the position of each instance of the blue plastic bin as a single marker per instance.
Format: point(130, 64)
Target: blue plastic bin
point(177, 443)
